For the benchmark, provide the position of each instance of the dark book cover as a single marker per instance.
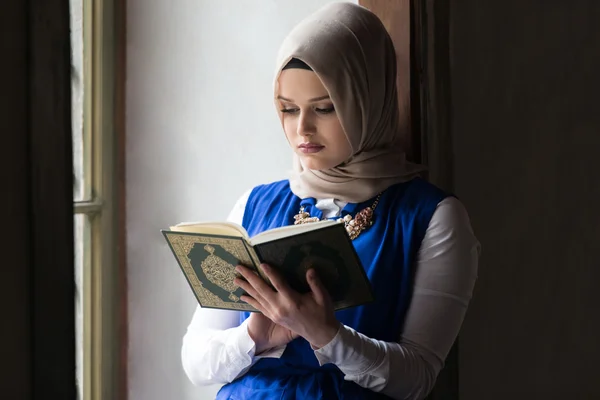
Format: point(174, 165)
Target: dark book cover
point(329, 251)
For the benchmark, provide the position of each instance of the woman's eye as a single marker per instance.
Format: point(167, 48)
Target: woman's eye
point(327, 110)
point(289, 110)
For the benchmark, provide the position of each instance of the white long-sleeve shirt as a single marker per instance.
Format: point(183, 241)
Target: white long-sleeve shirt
point(217, 349)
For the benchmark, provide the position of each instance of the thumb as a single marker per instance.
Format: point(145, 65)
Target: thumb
point(316, 286)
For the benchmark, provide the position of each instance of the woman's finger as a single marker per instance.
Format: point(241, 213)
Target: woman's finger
point(254, 303)
point(320, 293)
point(277, 281)
point(257, 283)
point(249, 289)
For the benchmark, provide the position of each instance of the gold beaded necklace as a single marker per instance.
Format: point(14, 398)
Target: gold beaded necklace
point(354, 226)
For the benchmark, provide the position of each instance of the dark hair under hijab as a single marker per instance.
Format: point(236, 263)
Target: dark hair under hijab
point(295, 63)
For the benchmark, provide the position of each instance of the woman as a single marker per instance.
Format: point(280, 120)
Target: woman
point(336, 96)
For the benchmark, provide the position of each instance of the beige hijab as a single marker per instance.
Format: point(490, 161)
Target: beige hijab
point(350, 50)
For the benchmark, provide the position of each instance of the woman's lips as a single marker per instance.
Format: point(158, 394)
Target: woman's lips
point(310, 148)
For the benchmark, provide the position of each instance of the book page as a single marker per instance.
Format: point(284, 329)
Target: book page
point(287, 231)
point(211, 228)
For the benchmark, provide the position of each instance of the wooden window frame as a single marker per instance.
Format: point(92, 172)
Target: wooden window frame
point(105, 278)
point(99, 259)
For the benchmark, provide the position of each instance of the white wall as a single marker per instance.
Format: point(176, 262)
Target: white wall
point(201, 129)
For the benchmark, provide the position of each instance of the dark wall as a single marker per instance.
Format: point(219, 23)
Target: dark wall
point(37, 326)
point(15, 301)
point(525, 123)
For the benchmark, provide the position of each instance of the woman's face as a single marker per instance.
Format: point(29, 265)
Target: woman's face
point(310, 121)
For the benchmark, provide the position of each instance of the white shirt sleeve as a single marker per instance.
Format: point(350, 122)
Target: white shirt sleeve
point(446, 273)
point(216, 348)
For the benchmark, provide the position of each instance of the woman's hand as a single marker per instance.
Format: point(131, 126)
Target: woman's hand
point(267, 334)
point(309, 315)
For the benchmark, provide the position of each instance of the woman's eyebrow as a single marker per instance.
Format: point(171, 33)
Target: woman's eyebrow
point(310, 100)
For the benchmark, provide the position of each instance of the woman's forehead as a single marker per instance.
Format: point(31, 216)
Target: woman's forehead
point(300, 83)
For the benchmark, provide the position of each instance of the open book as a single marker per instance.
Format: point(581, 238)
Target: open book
point(208, 253)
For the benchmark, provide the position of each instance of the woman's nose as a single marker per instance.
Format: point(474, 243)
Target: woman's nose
point(306, 126)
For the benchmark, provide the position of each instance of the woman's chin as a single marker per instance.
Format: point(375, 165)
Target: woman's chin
point(316, 165)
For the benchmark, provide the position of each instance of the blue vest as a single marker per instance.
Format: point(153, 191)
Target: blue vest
point(387, 250)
